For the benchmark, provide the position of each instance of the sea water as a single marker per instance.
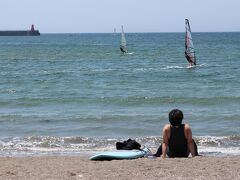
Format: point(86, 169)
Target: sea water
point(72, 94)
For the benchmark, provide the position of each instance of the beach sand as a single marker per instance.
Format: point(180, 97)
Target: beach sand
point(44, 168)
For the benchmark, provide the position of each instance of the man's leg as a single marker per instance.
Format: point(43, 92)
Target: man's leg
point(159, 151)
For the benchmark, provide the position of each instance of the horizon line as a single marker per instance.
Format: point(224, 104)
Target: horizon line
point(136, 32)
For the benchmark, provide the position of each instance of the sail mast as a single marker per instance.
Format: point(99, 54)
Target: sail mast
point(189, 48)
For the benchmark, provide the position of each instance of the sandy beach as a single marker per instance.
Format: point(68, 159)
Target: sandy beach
point(39, 168)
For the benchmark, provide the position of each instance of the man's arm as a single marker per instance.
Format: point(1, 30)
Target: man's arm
point(165, 141)
point(188, 133)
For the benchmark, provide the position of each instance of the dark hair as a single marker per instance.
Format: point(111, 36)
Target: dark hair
point(175, 117)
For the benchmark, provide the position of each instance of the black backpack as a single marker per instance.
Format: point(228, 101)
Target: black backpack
point(128, 145)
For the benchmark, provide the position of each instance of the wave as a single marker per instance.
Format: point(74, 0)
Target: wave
point(121, 100)
point(49, 145)
point(98, 98)
point(184, 67)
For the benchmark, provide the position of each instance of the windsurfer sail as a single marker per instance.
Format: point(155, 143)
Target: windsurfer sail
point(123, 45)
point(189, 49)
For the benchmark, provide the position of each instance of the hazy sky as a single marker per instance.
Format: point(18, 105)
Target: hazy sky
point(77, 16)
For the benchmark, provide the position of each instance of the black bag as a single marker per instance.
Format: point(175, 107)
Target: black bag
point(128, 145)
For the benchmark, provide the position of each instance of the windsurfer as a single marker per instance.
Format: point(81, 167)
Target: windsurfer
point(123, 51)
point(189, 49)
point(190, 59)
point(123, 44)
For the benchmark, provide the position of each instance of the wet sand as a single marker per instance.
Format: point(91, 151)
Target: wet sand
point(59, 168)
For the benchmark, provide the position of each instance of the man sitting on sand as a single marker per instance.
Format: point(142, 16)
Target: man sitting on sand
point(177, 138)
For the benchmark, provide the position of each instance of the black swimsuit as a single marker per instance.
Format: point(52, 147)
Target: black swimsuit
point(177, 143)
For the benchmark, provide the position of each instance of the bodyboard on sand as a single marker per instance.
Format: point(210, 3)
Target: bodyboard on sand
point(118, 155)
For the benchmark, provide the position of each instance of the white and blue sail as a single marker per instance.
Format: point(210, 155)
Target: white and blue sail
point(189, 48)
point(123, 44)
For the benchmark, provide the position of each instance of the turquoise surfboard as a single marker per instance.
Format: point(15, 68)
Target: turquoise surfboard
point(118, 155)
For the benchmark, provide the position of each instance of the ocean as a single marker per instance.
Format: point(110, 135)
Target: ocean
point(76, 94)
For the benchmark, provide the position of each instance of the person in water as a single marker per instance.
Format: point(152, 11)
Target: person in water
point(177, 138)
point(190, 59)
point(123, 51)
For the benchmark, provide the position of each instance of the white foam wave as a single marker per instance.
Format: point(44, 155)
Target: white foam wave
point(35, 146)
point(219, 151)
point(185, 67)
point(175, 67)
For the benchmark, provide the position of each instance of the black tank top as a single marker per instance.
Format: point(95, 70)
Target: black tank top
point(177, 142)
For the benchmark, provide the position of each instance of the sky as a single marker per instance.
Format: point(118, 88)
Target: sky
point(102, 16)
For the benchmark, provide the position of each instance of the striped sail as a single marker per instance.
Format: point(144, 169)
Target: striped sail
point(189, 48)
point(123, 45)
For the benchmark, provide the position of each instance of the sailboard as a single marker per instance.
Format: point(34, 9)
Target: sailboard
point(123, 44)
point(189, 48)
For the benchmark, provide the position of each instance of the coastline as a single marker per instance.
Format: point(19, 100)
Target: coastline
point(60, 167)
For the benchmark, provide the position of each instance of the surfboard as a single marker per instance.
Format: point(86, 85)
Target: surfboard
point(118, 155)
